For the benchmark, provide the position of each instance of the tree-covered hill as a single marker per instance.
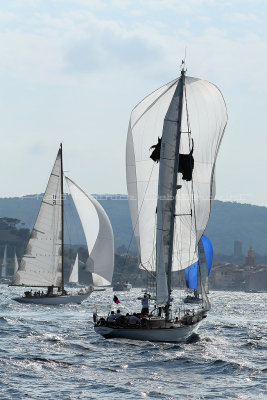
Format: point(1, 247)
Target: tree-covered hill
point(14, 235)
point(229, 222)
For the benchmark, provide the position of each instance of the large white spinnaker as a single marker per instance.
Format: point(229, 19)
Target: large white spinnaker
point(41, 264)
point(74, 275)
point(204, 118)
point(98, 233)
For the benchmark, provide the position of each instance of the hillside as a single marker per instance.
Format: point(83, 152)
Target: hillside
point(229, 221)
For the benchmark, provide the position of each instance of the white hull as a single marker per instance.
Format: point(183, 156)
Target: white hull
point(172, 335)
point(55, 300)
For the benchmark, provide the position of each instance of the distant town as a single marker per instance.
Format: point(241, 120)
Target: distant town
point(244, 274)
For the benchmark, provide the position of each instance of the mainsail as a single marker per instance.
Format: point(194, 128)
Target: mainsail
point(203, 120)
point(4, 263)
point(41, 264)
point(74, 275)
point(98, 233)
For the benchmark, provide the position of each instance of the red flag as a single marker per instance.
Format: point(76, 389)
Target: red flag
point(116, 300)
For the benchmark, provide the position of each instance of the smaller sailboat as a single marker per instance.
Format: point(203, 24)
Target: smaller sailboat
point(198, 272)
point(16, 264)
point(8, 280)
point(4, 278)
point(74, 274)
point(42, 265)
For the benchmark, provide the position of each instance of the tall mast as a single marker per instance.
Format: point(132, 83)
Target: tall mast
point(62, 222)
point(175, 188)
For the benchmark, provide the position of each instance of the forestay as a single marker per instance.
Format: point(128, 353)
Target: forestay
point(41, 264)
point(98, 233)
point(204, 116)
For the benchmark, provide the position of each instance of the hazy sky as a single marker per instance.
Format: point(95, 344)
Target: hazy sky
point(72, 70)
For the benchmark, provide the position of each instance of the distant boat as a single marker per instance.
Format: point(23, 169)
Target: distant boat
point(16, 264)
point(74, 274)
point(198, 272)
point(4, 264)
point(7, 279)
point(43, 262)
point(125, 287)
point(4, 278)
point(170, 192)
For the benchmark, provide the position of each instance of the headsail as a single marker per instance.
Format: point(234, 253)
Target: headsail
point(204, 118)
point(74, 275)
point(4, 263)
point(41, 264)
point(205, 252)
point(98, 233)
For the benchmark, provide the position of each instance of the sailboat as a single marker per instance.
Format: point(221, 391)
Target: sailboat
point(4, 278)
point(199, 272)
point(16, 264)
point(170, 191)
point(74, 274)
point(42, 264)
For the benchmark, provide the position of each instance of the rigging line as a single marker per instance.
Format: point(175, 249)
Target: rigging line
point(147, 270)
point(153, 277)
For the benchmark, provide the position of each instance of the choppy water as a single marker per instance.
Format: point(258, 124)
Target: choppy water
point(53, 353)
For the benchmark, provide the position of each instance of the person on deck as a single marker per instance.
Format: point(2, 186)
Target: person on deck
point(118, 314)
point(145, 309)
point(133, 320)
point(111, 317)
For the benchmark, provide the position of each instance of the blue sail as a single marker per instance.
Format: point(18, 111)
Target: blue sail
point(191, 271)
point(191, 276)
point(208, 251)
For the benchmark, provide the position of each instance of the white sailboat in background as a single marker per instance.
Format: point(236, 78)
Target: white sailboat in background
point(16, 264)
point(74, 273)
point(170, 199)
point(4, 267)
point(43, 262)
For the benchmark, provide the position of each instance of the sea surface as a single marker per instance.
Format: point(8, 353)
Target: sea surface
point(53, 352)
